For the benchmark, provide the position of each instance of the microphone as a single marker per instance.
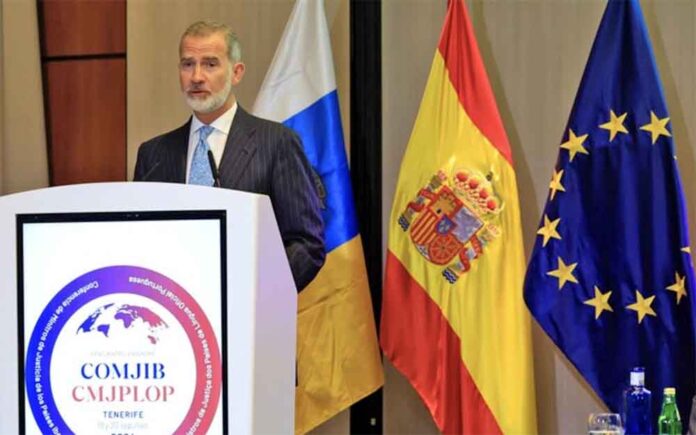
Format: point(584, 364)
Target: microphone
point(213, 169)
point(151, 171)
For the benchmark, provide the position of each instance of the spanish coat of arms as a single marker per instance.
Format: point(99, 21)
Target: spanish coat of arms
point(452, 220)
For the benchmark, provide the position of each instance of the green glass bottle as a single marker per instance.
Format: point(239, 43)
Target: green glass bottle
point(669, 422)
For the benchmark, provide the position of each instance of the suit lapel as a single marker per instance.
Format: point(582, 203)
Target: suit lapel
point(239, 149)
point(179, 152)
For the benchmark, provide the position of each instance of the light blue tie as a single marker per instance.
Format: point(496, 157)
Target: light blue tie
point(200, 166)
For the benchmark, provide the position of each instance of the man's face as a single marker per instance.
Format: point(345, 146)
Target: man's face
point(206, 73)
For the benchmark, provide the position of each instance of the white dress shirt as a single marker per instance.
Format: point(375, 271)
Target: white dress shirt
point(216, 139)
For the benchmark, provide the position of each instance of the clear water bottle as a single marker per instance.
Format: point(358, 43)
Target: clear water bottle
point(669, 422)
point(637, 415)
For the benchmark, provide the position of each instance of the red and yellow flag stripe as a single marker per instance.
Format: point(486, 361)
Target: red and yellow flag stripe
point(466, 346)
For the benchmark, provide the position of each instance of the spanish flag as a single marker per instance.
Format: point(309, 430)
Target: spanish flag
point(453, 318)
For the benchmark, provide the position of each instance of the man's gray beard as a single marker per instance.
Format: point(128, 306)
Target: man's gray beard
point(213, 102)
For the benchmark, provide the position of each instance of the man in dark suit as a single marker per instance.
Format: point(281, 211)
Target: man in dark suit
point(253, 154)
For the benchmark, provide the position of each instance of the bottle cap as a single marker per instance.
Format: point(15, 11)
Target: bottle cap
point(671, 391)
point(638, 377)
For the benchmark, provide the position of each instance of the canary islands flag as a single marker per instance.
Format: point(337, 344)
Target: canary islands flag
point(337, 350)
point(611, 275)
point(453, 317)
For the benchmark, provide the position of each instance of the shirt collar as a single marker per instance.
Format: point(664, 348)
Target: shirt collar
point(221, 124)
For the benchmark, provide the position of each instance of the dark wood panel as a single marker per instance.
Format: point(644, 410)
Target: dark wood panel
point(82, 27)
point(86, 113)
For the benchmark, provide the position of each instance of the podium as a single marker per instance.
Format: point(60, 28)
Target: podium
point(138, 255)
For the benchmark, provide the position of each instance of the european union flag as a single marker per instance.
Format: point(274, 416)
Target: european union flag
point(611, 278)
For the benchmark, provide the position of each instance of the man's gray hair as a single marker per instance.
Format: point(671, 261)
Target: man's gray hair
point(207, 28)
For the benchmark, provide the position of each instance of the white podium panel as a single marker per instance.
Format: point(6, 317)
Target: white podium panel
point(156, 257)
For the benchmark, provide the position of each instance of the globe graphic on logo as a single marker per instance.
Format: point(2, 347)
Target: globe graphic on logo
point(132, 318)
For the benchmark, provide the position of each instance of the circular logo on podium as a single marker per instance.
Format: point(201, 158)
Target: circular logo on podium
point(123, 349)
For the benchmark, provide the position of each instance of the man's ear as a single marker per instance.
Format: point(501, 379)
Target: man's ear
point(237, 73)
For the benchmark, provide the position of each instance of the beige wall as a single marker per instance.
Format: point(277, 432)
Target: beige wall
point(23, 157)
point(535, 52)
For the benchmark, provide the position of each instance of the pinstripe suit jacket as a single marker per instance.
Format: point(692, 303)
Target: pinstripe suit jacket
point(263, 157)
